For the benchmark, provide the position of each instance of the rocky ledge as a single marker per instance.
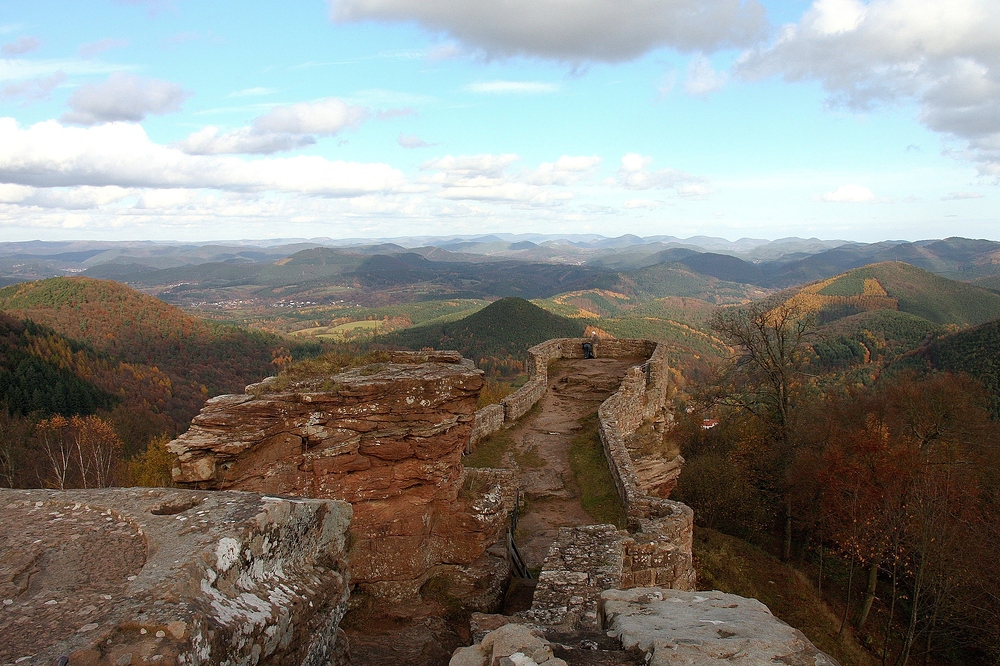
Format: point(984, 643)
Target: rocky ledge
point(159, 577)
point(703, 628)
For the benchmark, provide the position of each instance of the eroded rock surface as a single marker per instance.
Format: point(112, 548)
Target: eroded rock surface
point(387, 438)
point(156, 576)
point(702, 628)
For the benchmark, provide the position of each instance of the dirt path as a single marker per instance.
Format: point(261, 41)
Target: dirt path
point(576, 388)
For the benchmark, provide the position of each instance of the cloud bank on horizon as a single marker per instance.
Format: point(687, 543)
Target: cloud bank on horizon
point(848, 119)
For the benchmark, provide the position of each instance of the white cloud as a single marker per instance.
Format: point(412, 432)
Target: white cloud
point(282, 128)
point(491, 178)
point(642, 204)
point(212, 141)
point(513, 87)
point(120, 154)
point(257, 91)
point(325, 117)
point(412, 141)
point(165, 199)
point(702, 77)
point(32, 89)
point(20, 46)
point(566, 170)
point(667, 82)
point(959, 196)
point(445, 51)
point(123, 96)
point(75, 198)
point(470, 166)
point(944, 55)
point(850, 193)
point(91, 49)
point(19, 69)
point(583, 30)
point(634, 174)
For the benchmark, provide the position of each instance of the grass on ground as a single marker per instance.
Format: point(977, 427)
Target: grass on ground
point(732, 565)
point(598, 493)
point(490, 450)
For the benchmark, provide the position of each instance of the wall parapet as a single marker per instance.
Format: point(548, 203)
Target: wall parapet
point(659, 550)
point(517, 404)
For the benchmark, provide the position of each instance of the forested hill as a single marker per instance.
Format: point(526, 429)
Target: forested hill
point(200, 359)
point(974, 351)
point(42, 371)
point(506, 327)
point(895, 285)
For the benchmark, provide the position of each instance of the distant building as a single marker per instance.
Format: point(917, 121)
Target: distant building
point(708, 424)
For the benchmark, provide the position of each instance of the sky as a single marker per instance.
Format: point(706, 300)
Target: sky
point(184, 120)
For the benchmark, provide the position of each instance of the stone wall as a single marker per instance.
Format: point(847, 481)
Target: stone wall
point(517, 404)
point(488, 420)
point(387, 438)
point(580, 565)
point(158, 576)
point(661, 545)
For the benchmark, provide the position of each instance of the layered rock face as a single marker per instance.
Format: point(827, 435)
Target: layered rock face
point(156, 576)
point(388, 438)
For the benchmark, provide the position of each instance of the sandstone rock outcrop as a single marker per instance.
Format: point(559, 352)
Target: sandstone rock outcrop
point(156, 576)
point(510, 644)
point(388, 438)
point(701, 628)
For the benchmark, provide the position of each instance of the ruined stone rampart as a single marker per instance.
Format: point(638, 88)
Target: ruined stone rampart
point(388, 438)
point(157, 576)
point(659, 552)
point(490, 420)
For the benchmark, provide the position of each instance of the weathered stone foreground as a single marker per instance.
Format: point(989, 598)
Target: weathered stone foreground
point(388, 438)
point(678, 628)
point(650, 626)
point(156, 576)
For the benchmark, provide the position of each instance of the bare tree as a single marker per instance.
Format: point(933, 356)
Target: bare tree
point(58, 449)
point(772, 341)
point(97, 447)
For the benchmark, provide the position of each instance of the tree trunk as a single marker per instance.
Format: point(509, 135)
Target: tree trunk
point(850, 588)
point(866, 605)
point(819, 578)
point(891, 613)
point(911, 630)
point(787, 551)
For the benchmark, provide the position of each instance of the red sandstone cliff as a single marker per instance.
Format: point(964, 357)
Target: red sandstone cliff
point(388, 438)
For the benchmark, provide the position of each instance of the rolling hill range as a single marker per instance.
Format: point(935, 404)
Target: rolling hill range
point(193, 358)
point(874, 315)
point(955, 258)
point(328, 275)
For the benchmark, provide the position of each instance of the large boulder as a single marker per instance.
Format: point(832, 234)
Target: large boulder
point(679, 628)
